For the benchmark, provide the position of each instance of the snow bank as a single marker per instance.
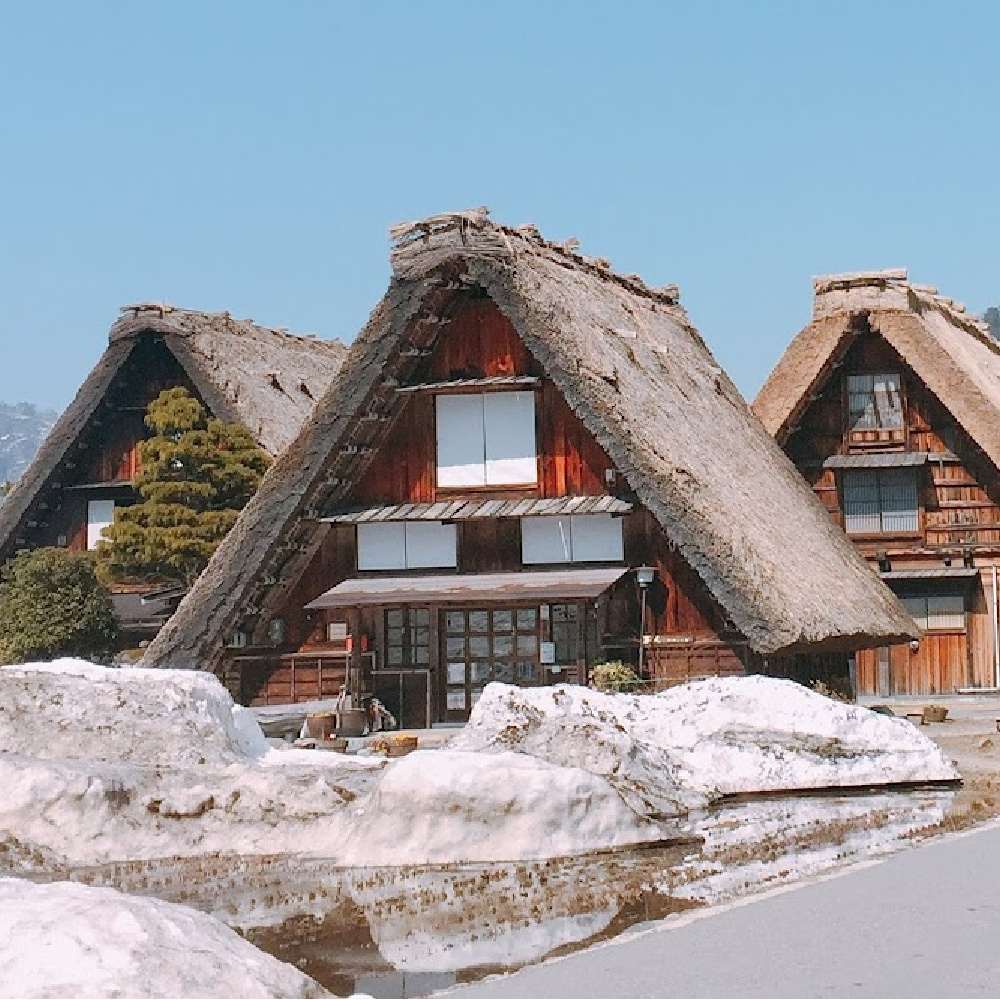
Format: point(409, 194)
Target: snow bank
point(439, 806)
point(699, 742)
point(74, 710)
point(103, 765)
point(65, 939)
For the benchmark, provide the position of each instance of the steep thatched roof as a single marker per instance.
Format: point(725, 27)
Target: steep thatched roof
point(637, 374)
point(267, 380)
point(949, 350)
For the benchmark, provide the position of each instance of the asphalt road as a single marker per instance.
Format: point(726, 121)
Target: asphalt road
point(923, 923)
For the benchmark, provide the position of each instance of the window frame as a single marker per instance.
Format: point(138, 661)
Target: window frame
point(95, 526)
point(402, 527)
point(491, 478)
point(881, 474)
point(879, 427)
point(565, 523)
point(923, 620)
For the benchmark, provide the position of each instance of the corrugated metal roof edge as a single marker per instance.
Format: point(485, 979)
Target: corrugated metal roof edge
point(467, 510)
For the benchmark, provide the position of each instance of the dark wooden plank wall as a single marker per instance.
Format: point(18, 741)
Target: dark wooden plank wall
point(960, 510)
point(679, 604)
point(480, 341)
point(107, 451)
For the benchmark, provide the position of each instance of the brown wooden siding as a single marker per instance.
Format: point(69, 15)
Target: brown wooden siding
point(688, 634)
point(106, 451)
point(480, 341)
point(959, 497)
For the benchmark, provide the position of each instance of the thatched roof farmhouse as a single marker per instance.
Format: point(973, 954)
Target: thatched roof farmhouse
point(730, 526)
point(267, 380)
point(888, 402)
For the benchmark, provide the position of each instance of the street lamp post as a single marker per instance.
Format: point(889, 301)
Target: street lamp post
point(644, 576)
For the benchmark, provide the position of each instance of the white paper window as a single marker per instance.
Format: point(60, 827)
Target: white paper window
point(880, 501)
point(382, 546)
point(597, 538)
point(461, 441)
point(546, 540)
point(100, 515)
point(430, 543)
point(579, 538)
point(511, 452)
point(407, 545)
point(486, 439)
point(937, 611)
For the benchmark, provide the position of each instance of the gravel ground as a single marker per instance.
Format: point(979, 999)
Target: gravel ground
point(969, 736)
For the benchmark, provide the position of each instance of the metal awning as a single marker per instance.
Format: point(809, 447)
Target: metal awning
point(467, 510)
point(878, 460)
point(489, 382)
point(938, 573)
point(115, 484)
point(542, 586)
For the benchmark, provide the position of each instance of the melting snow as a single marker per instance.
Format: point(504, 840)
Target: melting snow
point(64, 940)
point(104, 764)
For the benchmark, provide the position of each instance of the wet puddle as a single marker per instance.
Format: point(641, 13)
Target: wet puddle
point(410, 931)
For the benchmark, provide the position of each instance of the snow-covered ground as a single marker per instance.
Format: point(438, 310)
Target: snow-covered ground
point(66, 940)
point(109, 764)
point(697, 743)
point(100, 766)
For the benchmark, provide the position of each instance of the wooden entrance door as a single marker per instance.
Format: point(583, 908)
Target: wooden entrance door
point(479, 645)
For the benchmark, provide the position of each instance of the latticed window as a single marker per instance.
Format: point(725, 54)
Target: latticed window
point(937, 611)
point(874, 402)
point(880, 501)
point(566, 632)
point(407, 637)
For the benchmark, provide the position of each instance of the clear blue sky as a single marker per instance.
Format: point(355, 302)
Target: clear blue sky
point(251, 156)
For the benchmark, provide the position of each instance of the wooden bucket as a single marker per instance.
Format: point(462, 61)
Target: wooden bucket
point(353, 722)
point(320, 726)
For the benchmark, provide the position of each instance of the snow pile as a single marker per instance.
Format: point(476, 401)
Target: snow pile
point(74, 710)
point(101, 765)
point(699, 742)
point(64, 940)
point(439, 806)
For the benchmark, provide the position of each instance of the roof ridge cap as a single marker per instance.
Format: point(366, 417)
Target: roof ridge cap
point(167, 318)
point(472, 231)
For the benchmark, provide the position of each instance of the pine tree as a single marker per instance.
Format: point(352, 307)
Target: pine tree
point(196, 474)
point(51, 604)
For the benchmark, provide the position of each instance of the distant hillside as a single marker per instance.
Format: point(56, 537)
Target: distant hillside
point(992, 317)
point(23, 427)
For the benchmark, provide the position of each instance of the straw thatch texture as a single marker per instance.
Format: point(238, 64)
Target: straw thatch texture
point(950, 351)
point(636, 372)
point(265, 379)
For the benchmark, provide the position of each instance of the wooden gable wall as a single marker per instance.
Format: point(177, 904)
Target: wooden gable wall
point(106, 451)
point(959, 521)
point(959, 496)
point(480, 341)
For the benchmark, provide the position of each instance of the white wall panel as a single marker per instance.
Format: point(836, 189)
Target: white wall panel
point(597, 538)
point(100, 515)
point(382, 546)
point(430, 543)
point(545, 540)
point(461, 456)
point(511, 450)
